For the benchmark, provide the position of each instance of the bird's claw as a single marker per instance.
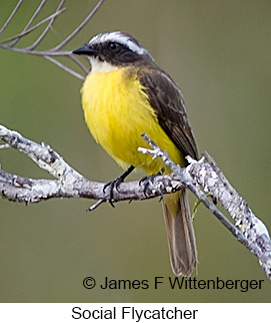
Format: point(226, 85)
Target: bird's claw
point(148, 180)
point(115, 183)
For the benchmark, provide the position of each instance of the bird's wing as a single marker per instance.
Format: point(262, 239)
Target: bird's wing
point(166, 99)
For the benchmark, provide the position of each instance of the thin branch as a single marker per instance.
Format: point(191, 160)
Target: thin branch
point(11, 42)
point(252, 233)
point(42, 53)
point(46, 30)
point(70, 183)
point(186, 179)
point(64, 67)
point(30, 21)
point(26, 32)
point(11, 16)
point(82, 66)
point(79, 28)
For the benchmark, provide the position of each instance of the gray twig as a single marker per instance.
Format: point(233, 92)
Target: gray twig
point(51, 54)
point(248, 229)
point(69, 182)
point(11, 16)
point(200, 177)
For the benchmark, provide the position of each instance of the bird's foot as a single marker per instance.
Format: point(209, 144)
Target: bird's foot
point(148, 180)
point(114, 184)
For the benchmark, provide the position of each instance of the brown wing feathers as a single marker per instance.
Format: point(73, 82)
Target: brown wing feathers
point(166, 99)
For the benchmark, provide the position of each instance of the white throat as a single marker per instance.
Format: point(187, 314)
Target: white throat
point(101, 67)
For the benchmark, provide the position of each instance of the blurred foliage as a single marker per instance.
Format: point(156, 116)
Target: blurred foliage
point(219, 51)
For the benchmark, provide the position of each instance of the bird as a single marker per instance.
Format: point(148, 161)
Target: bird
point(126, 94)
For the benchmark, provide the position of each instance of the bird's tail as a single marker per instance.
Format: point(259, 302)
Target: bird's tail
point(180, 233)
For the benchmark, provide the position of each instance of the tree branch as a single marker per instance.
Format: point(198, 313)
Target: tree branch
point(51, 54)
point(11, 16)
point(248, 229)
point(251, 232)
point(69, 182)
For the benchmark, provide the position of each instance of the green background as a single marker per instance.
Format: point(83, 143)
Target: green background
point(219, 52)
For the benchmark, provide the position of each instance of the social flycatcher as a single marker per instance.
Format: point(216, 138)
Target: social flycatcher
point(127, 94)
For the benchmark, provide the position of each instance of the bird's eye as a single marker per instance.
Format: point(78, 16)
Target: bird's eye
point(113, 46)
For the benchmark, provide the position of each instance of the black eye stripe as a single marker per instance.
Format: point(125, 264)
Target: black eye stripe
point(118, 53)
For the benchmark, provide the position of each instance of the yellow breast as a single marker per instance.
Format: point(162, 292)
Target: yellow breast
point(117, 112)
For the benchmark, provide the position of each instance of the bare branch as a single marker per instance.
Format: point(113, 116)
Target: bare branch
point(44, 33)
point(79, 64)
point(11, 16)
point(27, 31)
point(188, 181)
point(30, 21)
point(70, 183)
point(42, 53)
point(80, 27)
point(11, 42)
point(64, 67)
point(252, 233)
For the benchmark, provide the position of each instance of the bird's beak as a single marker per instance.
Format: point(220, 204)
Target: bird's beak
point(85, 50)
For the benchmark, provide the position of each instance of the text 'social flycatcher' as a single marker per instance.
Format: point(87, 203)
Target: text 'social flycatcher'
point(127, 94)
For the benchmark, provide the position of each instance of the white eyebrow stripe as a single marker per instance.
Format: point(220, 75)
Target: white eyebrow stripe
point(119, 38)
